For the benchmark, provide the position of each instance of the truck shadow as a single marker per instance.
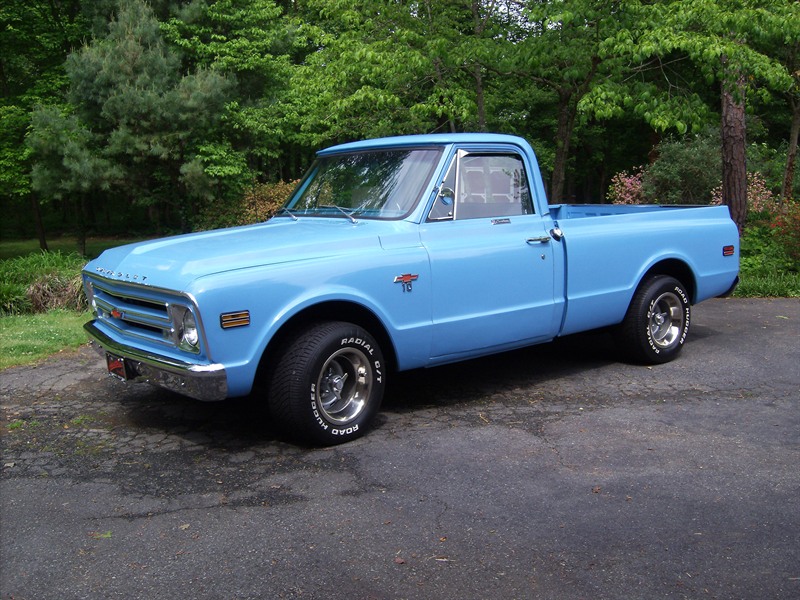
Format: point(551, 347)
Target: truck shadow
point(242, 423)
point(473, 380)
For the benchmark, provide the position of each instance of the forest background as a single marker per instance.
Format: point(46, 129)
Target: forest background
point(122, 117)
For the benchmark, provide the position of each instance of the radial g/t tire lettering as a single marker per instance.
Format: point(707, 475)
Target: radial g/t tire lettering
point(328, 384)
point(657, 322)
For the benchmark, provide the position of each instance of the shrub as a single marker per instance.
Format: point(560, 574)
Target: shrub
point(259, 203)
point(50, 292)
point(786, 229)
point(41, 281)
point(762, 252)
point(264, 200)
point(685, 171)
point(626, 188)
point(762, 205)
point(770, 255)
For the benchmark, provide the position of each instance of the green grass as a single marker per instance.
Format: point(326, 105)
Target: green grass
point(29, 279)
point(760, 284)
point(26, 339)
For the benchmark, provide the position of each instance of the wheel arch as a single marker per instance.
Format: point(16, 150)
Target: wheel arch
point(676, 268)
point(333, 310)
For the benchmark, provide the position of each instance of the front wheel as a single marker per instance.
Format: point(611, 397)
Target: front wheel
point(328, 383)
point(657, 322)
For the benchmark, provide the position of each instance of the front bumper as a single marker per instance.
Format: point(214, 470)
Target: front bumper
point(202, 382)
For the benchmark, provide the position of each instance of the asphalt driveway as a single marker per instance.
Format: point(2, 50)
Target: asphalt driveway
point(554, 473)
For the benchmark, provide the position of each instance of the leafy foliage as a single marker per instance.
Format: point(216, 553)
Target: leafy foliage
point(154, 113)
point(260, 202)
point(786, 229)
point(767, 265)
point(685, 171)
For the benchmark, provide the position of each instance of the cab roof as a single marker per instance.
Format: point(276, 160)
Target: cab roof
point(434, 139)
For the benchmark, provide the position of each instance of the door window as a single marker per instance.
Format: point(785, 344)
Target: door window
point(483, 185)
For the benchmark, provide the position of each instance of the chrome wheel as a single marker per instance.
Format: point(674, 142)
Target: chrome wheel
point(666, 320)
point(344, 385)
point(657, 321)
point(327, 385)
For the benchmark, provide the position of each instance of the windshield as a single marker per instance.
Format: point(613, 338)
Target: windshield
point(378, 185)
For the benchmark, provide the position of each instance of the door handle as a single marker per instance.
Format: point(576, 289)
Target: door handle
point(545, 239)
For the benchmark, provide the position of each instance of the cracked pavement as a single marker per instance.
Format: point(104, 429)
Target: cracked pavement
point(551, 472)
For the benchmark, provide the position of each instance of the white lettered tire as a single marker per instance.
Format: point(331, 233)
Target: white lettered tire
point(328, 383)
point(657, 322)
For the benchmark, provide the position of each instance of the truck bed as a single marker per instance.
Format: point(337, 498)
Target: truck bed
point(581, 211)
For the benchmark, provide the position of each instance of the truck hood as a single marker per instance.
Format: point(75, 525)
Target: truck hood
point(175, 262)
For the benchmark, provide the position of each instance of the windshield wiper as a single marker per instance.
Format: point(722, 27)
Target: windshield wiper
point(346, 213)
point(283, 209)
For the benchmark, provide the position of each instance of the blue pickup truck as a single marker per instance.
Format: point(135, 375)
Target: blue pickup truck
point(395, 254)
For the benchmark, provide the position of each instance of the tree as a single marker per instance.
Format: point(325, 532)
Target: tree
point(564, 47)
point(719, 39)
point(254, 44)
point(779, 36)
point(35, 36)
point(381, 68)
point(172, 107)
point(734, 141)
point(137, 119)
point(68, 165)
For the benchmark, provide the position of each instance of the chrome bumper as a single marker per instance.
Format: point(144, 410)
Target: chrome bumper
point(202, 382)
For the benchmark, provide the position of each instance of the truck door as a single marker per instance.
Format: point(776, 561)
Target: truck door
point(492, 266)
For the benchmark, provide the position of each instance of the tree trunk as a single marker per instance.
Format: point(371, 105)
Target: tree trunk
point(566, 123)
point(791, 155)
point(479, 98)
point(37, 219)
point(734, 164)
point(82, 202)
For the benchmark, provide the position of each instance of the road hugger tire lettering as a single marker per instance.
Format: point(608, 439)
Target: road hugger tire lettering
point(328, 384)
point(657, 321)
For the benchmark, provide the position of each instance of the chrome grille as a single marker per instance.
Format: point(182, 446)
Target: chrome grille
point(132, 312)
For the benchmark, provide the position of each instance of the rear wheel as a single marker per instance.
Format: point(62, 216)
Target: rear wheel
point(328, 383)
point(657, 322)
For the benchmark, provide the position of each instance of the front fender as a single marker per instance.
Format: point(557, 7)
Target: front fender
point(277, 294)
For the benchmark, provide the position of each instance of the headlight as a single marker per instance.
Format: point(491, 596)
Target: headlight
point(89, 289)
point(184, 332)
point(189, 334)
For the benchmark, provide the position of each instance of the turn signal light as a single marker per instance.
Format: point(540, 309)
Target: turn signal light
point(235, 319)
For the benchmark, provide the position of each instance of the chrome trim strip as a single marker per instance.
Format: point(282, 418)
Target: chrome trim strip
point(202, 382)
point(139, 335)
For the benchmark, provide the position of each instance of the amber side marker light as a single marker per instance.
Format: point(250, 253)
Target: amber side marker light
point(235, 319)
